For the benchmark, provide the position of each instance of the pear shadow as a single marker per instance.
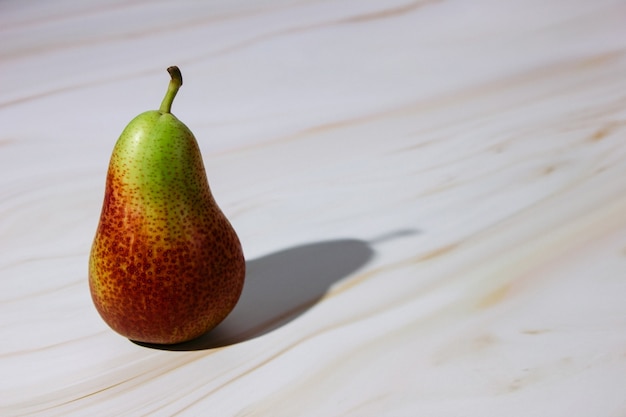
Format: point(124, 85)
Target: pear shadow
point(279, 287)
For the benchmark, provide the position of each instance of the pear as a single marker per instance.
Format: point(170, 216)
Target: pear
point(166, 265)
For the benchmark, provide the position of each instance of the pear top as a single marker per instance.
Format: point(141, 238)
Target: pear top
point(175, 83)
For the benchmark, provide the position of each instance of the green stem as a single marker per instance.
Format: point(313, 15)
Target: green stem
point(172, 89)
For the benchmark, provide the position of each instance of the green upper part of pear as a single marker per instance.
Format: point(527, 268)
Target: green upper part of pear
point(156, 161)
point(157, 152)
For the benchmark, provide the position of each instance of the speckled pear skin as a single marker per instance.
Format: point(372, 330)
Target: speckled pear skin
point(166, 265)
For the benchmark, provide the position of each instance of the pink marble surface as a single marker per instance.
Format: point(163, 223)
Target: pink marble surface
point(431, 197)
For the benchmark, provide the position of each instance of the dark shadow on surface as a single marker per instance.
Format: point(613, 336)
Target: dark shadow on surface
point(281, 286)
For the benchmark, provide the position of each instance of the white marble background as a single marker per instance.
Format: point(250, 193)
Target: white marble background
point(431, 196)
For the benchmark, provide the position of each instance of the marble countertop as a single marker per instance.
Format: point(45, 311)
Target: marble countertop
point(431, 198)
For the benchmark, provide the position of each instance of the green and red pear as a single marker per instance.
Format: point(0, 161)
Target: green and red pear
point(166, 265)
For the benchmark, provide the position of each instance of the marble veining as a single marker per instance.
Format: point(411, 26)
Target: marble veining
point(430, 197)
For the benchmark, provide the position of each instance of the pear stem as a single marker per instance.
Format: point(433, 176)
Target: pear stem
point(172, 89)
